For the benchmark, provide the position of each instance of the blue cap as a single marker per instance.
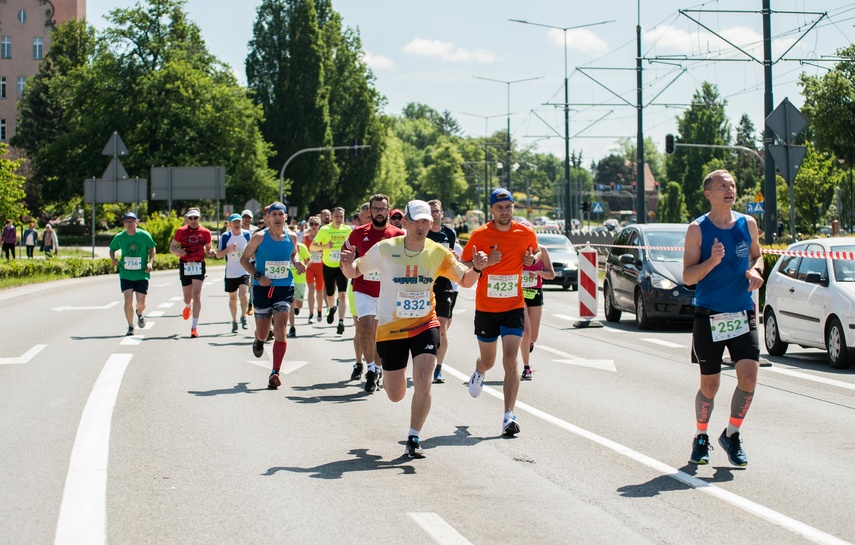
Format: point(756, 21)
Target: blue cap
point(234, 217)
point(500, 195)
point(130, 215)
point(277, 206)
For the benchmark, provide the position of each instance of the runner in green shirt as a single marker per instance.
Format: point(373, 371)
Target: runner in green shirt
point(299, 286)
point(330, 239)
point(137, 250)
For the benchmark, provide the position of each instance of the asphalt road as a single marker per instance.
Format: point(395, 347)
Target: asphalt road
point(161, 438)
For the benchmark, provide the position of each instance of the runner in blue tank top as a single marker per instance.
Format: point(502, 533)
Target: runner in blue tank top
point(273, 284)
point(722, 256)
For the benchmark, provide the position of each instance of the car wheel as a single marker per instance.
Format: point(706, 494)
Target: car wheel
point(642, 320)
point(835, 343)
point(566, 287)
point(612, 314)
point(774, 345)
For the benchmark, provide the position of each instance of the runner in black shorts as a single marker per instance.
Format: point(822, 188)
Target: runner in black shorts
point(708, 354)
point(443, 290)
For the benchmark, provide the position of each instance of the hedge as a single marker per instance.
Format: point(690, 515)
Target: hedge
point(73, 267)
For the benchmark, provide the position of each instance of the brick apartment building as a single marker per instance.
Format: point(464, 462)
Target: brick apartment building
point(25, 29)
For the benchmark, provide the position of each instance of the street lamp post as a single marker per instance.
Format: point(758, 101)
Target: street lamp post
point(307, 150)
point(567, 211)
point(508, 83)
point(486, 118)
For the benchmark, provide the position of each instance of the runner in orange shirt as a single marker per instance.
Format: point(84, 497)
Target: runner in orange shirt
point(499, 300)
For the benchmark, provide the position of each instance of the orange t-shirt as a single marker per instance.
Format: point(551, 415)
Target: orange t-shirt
point(499, 288)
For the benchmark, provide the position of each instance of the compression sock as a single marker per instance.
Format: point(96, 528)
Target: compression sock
point(739, 405)
point(703, 410)
point(278, 354)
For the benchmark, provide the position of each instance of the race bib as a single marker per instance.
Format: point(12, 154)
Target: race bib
point(193, 268)
point(412, 304)
point(277, 270)
point(317, 257)
point(132, 263)
point(503, 286)
point(729, 325)
point(529, 280)
point(335, 256)
point(373, 276)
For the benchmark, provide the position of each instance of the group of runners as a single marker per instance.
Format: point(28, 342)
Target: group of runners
point(403, 291)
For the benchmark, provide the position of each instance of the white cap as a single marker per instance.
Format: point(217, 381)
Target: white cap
point(417, 210)
point(246, 212)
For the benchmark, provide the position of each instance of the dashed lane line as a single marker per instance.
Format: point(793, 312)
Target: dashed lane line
point(438, 529)
point(26, 357)
point(666, 344)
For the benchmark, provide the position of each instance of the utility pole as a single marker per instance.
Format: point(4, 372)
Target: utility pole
point(770, 216)
point(640, 208)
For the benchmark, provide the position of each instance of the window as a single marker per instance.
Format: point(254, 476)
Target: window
point(810, 265)
point(22, 16)
point(2, 86)
point(22, 82)
point(6, 47)
point(2, 130)
point(38, 48)
point(790, 264)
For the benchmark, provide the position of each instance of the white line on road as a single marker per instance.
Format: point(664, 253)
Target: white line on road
point(179, 298)
point(133, 340)
point(83, 512)
point(441, 531)
point(105, 307)
point(666, 344)
point(814, 378)
point(28, 355)
point(602, 365)
point(156, 313)
point(287, 366)
point(166, 305)
point(149, 325)
point(554, 351)
point(791, 524)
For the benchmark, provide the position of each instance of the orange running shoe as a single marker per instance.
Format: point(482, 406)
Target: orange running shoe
point(194, 333)
point(186, 313)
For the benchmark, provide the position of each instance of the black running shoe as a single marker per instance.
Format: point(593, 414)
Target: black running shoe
point(371, 381)
point(340, 329)
point(257, 348)
point(733, 446)
point(270, 335)
point(273, 382)
point(357, 372)
point(296, 311)
point(130, 331)
point(414, 449)
point(292, 332)
point(701, 450)
point(234, 327)
point(140, 320)
point(331, 315)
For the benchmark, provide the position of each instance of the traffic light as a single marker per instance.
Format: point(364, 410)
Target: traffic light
point(669, 144)
point(586, 206)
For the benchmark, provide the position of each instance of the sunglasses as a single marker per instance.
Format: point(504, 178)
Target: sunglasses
point(397, 217)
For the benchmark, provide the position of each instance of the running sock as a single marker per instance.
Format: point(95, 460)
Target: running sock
point(278, 354)
point(703, 410)
point(195, 322)
point(414, 432)
point(509, 415)
point(739, 405)
point(373, 367)
point(526, 366)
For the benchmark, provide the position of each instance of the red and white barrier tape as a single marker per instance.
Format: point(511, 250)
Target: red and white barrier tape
point(842, 256)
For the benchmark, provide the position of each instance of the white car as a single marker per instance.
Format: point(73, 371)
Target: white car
point(810, 301)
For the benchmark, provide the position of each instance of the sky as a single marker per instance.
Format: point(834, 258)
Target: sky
point(433, 52)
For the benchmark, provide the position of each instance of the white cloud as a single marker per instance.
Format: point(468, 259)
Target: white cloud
point(448, 52)
point(669, 40)
point(579, 39)
point(378, 62)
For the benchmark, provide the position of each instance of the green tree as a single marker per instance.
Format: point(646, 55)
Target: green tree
point(747, 170)
point(830, 107)
point(613, 169)
point(672, 205)
point(652, 156)
point(444, 179)
point(392, 178)
point(813, 192)
point(285, 71)
point(448, 125)
point(704, 122)
point(11, 188)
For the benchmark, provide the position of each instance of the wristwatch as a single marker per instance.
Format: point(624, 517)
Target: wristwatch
point(257, 275)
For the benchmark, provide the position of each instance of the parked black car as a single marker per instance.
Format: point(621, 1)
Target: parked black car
point(564, 258)
point(648, 282)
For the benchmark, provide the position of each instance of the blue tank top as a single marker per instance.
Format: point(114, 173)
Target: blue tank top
point(725, 288)
point(272, 251)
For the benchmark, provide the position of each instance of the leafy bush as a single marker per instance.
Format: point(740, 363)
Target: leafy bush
point(73, 267)
point(162, 229)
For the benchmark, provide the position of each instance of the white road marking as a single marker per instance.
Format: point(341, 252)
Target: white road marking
point(133, 340)
point(179, 298)
point(83, 512)
point(162, 285)
point(666, 344)
point(155, 314)
point(166, 305)
point(28, 355)
point(105, 307)
point(287, 366)
point(441, 531)
point(566, 317)
point(806, 376)
point(770, 515)
point(148, 325)
point(603, 365)
point(554, 351)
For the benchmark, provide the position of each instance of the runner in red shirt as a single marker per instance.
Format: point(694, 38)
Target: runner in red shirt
point(366, 290)
point(191, 244)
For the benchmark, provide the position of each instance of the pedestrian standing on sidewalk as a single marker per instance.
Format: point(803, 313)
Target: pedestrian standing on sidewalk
point(9, 238)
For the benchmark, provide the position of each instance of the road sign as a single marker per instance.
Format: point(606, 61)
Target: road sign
point(114, 191)
point(618, 187)
point(786, 121)
point(758, 197)
point(185, 183)
point(597, 208)
point(754, 208)
point(253, 206)
point(788, 159)
point(115, 146)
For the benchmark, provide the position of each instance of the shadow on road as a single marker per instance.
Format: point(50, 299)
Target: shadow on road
point(669, 483)
point(359, 395)
point(239, 388)
point(361, 461)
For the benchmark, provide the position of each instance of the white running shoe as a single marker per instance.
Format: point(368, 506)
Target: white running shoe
point(510, 426)
point(476, 384)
